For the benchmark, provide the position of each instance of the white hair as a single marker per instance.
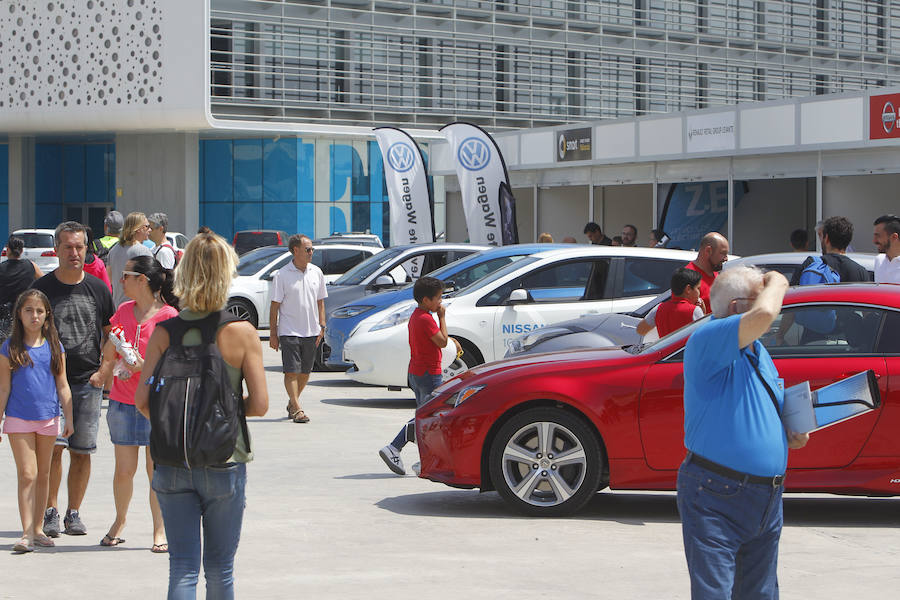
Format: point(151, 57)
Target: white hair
point(733, 283)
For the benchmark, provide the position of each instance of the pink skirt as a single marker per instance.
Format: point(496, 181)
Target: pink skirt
point(17, 425)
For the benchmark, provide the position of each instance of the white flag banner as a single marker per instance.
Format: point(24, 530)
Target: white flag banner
point(480, 170)
point(407, 186)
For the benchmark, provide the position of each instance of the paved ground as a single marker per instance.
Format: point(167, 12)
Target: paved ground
point(326, 520)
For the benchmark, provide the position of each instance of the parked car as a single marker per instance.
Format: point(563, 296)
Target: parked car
point(178, 240)
point(621, 329)
point(351, 237)
point(245, 241)
point(534, 292)
point(609, 417)
point(251, 289)
point(456, 275)
point(39, 248)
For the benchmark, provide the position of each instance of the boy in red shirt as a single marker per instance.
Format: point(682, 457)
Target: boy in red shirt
point(684, 306)
point(426, 338)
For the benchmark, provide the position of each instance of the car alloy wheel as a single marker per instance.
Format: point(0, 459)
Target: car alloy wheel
point(242, 310)
point(546, 462)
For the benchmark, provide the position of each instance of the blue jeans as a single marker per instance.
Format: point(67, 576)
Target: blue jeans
point(422, 386)
point(213, 497)
point(731, 531)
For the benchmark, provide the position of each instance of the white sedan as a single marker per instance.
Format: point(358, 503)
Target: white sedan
point(251, 289)
point(533, 292)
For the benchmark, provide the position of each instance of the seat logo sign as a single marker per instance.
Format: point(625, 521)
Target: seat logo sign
point(883, 116)
point(401, 157)
point(473, 154)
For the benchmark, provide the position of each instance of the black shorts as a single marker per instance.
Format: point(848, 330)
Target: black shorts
point(297, 353)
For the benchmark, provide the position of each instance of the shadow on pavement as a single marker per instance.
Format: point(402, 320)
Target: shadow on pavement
point(408, 403)
point(842, 512)
point(342, 382)
point(370, 476)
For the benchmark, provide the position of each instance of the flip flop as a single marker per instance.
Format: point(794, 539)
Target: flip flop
point(43, 541)
point(111, 541)
point(23, 546)
point(160, 548)
point(300, 417)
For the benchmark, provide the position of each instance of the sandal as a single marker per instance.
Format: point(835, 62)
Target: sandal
point(23, 546)
point(299, 416)
point(108, 540)
point(160, 548)
point(43, 541)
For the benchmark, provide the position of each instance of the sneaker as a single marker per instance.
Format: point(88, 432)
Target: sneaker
point(391, 458)
point(51, 522)
point(73, 524)
point(417, 468)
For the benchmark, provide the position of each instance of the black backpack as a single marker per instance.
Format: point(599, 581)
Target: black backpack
point(195, 416)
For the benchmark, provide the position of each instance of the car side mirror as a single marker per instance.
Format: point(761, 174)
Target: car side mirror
point(383, 280)
point(449, 286)
point(519, 296)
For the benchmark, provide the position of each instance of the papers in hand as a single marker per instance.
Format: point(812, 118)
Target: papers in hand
point(805, 411)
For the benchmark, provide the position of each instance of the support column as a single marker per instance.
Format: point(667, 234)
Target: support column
point(160, 173)
point(819, 200)
point(21, 183)
point(731, 204)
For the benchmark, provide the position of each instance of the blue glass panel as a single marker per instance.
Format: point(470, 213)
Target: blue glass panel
point(341, 171)
point(359, 183)
point(218, 217)
point(306, 173)
point(4, 188)
point(201, 170)
point(48, 216)
point(47, 174)
point(96, 177)
point(248, 171)
point(306, 218)
point(248, 215)
point(73, 173)
point(218, 171)
point(280, 173)
point(111, 173)
point(280, 215)
point(337, 221)
point(377, 191)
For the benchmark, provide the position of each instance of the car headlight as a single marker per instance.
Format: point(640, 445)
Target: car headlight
point(395, 318)
point(346, 312)
point(463, 395)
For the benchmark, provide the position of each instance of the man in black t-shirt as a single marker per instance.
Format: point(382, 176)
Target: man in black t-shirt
point(82, 306)
point(596, 235)
point(837, 233)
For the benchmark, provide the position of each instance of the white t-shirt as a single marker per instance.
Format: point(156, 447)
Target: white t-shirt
point(887, 271)
point(298, 292)
point(165, 255)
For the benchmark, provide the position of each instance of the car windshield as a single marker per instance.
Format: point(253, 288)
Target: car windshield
point(677, 335)
point(360, 272)
point(498, 274)
point(466, 271)
point(255, 260)
point(643, 310)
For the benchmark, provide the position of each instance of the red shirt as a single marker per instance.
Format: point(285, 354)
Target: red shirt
point(98, 270)
point(674, 313)
point(706, 282)
point(123, 389)
point(424, 355)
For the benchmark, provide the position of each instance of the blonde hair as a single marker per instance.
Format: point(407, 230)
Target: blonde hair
point(545, 238)
point(133, 222)
point(204, 275)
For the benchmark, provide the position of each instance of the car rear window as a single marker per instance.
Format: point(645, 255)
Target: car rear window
point(255, 260)
point(249, 240)
point(37, 240)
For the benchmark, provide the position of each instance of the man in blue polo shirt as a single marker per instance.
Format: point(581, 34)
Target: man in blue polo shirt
point(730, 483)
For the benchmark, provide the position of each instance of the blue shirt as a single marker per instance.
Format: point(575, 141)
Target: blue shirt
point(32, 393)
point(728, 414)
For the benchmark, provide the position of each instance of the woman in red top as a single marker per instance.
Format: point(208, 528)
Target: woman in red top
point(149, 286)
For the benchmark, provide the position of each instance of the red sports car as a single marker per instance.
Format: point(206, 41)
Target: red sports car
point(548, 431)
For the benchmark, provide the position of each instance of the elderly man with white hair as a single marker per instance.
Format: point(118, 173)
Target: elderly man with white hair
point(730, 483)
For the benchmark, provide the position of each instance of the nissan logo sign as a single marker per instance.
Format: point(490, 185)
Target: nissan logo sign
point(473, 154)
point(888, 117)
point(401, 157)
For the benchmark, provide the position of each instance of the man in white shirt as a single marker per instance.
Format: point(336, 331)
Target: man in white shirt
point(887, 240)
point(297, 319)
point(162, 249)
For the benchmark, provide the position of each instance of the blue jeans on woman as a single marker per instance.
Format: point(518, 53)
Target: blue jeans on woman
point(731, 530)
point(214, 498)
point(422, 386)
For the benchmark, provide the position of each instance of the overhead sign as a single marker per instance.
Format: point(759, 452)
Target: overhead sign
point(884, 114)
point(711, 132)
point(574, 144)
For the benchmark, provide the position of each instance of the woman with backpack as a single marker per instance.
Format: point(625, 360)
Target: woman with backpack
point(210, 496)
point(149, 286)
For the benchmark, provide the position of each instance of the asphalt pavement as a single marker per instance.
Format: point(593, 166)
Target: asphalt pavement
point(326, 519)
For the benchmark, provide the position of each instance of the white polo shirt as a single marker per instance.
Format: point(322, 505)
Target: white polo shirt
point(887, 271)
point(298, 292)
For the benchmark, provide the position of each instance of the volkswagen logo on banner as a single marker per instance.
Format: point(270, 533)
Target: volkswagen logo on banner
point(402, 157)
point(473, 154)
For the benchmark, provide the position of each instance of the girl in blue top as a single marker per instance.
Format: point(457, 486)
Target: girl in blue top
point(33, 387)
